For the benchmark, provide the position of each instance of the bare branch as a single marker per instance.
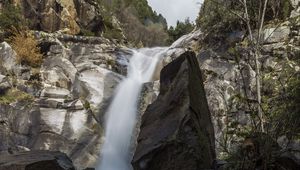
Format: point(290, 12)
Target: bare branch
point(248, 20)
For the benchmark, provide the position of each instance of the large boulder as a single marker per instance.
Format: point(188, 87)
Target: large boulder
point(35, 160)
point(176, 129)
point(275, 35)
point(18, 126)
point(224, 79)
point(8, 61)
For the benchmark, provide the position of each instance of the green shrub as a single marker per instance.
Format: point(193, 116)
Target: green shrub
point(283, 108)
point(223, 16)
point(113, 34)
point(181, 29)
point(86, 32)
point(215, 16)
point(11, 17)
point(13, 95)
point(138, 20)
point(86, 105)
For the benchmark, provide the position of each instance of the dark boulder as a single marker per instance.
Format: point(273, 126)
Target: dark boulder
point(35, 160)
point(176, 130)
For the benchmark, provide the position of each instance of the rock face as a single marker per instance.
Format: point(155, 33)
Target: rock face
point(176, 130)
point(224, 79)
point(67, 16)
point(51, 16)
point(230, 75)
point(275, 35)
point(36, 160)
point(72, 90)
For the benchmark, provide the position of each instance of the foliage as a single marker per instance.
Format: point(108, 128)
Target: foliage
point(280, 88)
point(137, 20)
point(181, 29)
point(220, 16)
point(150, 35)
point(13, 95)
point(26, 47)
point(214, 16)
point(142, 10)
point(110, 31)
point(86, 32)
point(11, 17)
point(257, 151)
point(281, 98)
point(86, 105)
point(282, 102)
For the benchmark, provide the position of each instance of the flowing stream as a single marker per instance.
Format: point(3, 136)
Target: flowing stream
point(122, 113)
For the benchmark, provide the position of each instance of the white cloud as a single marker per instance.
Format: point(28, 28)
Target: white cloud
point(174, 10)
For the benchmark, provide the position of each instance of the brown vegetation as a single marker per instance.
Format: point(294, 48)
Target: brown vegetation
point(152, 34)
point(26, 47)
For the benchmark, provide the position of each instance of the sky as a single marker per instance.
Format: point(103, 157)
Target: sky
point(174, 10)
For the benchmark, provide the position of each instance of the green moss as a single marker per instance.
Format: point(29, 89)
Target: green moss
point(113, 34)
point(111, 62)
point(286, 10)
point(86, 32)
point(13, 95)
point(86, 105)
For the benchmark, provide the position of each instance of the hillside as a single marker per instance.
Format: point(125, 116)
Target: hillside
point(79, 91)
point(127, 20)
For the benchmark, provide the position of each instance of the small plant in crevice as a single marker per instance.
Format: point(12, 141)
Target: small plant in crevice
point(86, 105)
point(13, 94)
point(86, 32)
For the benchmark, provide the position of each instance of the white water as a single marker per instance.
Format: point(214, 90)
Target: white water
point(122, 113)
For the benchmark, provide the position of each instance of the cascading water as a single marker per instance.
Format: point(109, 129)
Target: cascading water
point(122, 113)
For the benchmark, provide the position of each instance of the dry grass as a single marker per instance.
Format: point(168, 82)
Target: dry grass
point(26, 47)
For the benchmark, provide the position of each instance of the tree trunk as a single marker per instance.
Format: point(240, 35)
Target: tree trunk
point(257, 54)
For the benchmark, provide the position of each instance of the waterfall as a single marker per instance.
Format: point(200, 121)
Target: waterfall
point(122, 113)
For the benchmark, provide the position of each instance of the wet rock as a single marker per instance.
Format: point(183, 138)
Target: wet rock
point(36, 160)
point(96, 85)
point(176, 130)
point(89, 169)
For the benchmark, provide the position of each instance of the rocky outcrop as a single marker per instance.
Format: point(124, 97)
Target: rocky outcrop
point(36, 160)
point(71, 92)
point(51, 16)
point(8, 60)
point(67, 16)
point(224, 81)
point(229, 76)
point(176, 130)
